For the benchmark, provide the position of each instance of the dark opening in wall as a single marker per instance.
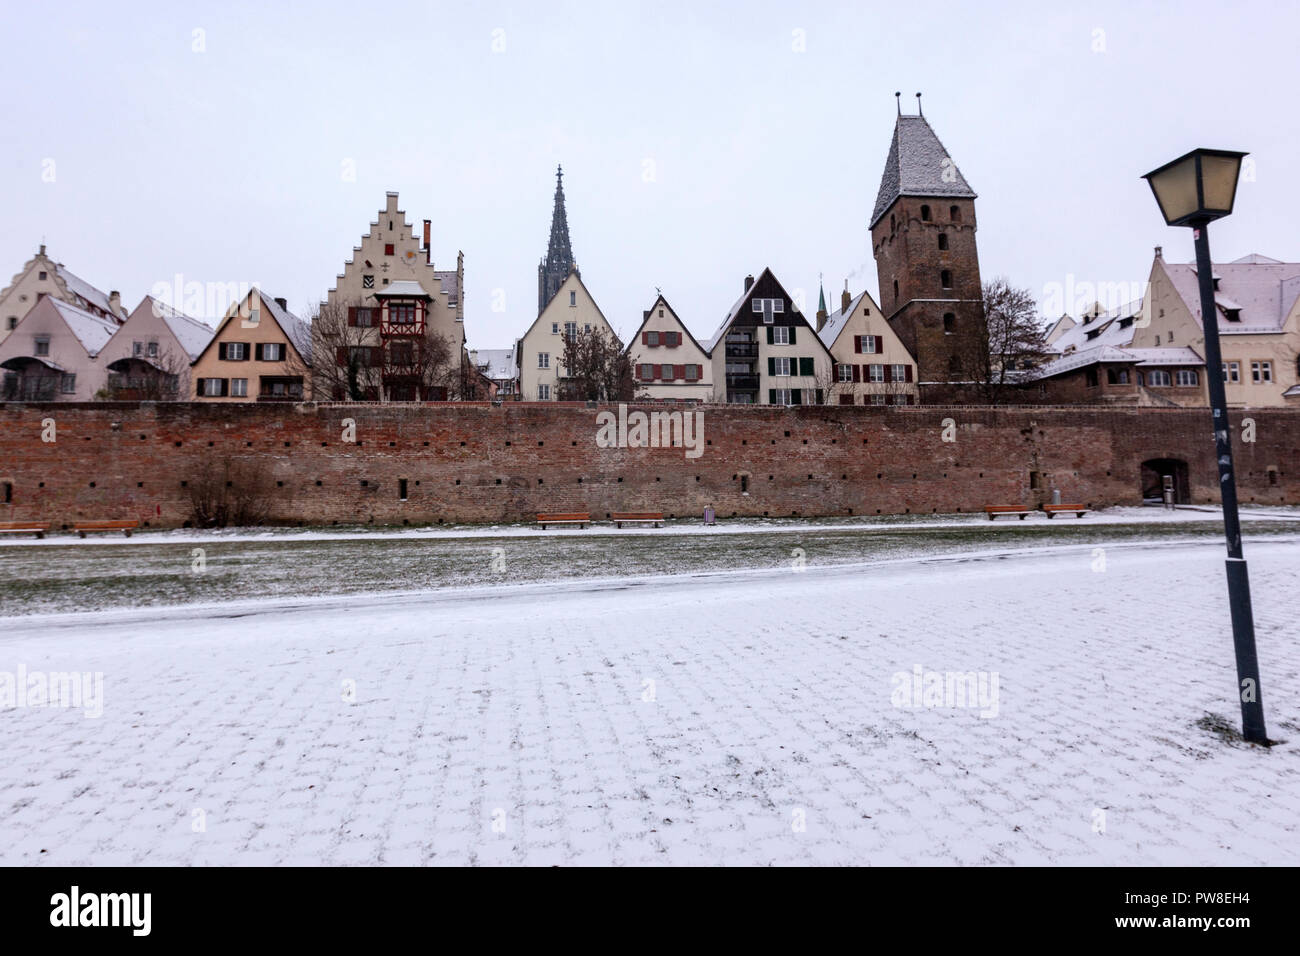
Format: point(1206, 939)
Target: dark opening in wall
point(401, 489)
point(9, 492)
point(1033, 479)
point(744, 483)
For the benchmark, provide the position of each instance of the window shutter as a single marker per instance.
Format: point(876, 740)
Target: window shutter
point(771, 362)
point(821, 397)
point(352, 315)
point(907, 373)
point(857, 373)
point(679, 371)
point(771, 395)
point(341, 355)
point(796, 396)
point(257, 351)
point(221, 351)
point(225, 387)
point(645, 338)
point(770, 339)
point(806, 367)
point(792, 337)
point(857, 345)
point(880, 344)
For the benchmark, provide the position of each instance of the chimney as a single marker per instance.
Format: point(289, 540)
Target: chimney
point(749, 283)
point(845, 298)
point(821, 319)
point(282, 303)
point(42, 252)
point(115, 304)
point(428, 256)
point(1160, 252)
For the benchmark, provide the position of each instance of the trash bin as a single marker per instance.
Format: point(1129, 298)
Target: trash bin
point(708, 515)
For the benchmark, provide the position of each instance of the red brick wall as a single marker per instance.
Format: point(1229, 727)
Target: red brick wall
point(478, 463)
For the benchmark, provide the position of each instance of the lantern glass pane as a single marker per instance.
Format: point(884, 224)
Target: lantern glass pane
point(1175, 188)
point(1219, 174)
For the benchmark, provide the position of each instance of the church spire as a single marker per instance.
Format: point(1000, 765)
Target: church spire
point(555, 268)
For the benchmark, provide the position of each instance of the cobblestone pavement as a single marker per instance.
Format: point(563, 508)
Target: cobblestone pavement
point(728, 718)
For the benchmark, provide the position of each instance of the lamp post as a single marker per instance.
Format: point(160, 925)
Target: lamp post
point(1194, 190)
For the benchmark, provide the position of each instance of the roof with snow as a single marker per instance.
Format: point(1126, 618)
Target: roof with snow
point(79, 286)
point(1093, 330)
point(91, 331)
point(403, 289)
point(497, 364)
point(298, 331)
point(836, 321)
point(918, 165)
point(192, 334)
point(1260, 290)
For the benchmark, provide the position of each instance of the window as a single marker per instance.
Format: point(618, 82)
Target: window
point(586, 327)
point(1116, 376)
point(571, 331)
point(647, 372)
point(666, 373)
point(892, 224)
point(876, 399)
point(780, 366)
point(895, 288)
point(1232, 315)
point(925, 213)
point(388, 248)
point(693, 373)
point(1157, 340)
point(1232, 371)
point(1187, 377)
point(13, 322)
point(867, 344)
point(367, 282)
point(359, 355)
point(212, 387)
point(43, 345)
point(844, 373)
point(1261, 372)
point(945, 279)
point(661, 313)
point(273, 352)
point(401, 353)
point(239, 387)
point(949, 323)
point(943, 242)
point(555, 328)
point(543, 359)
point(69, 383)
point(1090, 376)
point(652, 338)
point(42, 274)
point(769, 308)
point(401, 489)
point(954, 213)
point(898, 373)
point(781, 335)
point(573, 299)
point(1158, 377)
point(232, 351)
point(543, 393)
point(401, 313)
point(672, 339)
point(152, 350)
point(781, 396)
point(875, 373)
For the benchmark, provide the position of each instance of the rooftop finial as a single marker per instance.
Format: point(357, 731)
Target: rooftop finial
point(898, 101)
point(919, 111)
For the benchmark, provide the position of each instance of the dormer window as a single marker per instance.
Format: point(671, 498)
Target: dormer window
point(1093, 334)
point(1125, 323)
point(1232, 315)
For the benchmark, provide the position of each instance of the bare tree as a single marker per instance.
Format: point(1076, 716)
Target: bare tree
point(225, 492)
point(345, 364)
point(1008, 335)
point(596, 369)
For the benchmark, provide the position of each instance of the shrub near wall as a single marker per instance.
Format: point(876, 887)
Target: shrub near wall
point(480, 463)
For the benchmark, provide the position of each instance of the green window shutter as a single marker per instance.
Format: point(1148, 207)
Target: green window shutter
point(806, 366)
point(770, 340)
point(821, 398)
point(771, 396)
point(771, 363)
point(796, 396)
point(792, 331)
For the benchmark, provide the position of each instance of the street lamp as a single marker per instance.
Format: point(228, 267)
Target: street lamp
point(1192, 191)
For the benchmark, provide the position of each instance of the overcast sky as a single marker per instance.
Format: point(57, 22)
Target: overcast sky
point(699, 141)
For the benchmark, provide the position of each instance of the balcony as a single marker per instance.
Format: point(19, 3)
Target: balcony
point(742, 383)
point(741, 350)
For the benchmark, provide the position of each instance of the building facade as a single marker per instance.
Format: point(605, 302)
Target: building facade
point(51, 354)
point(42, 276)
point(668, 364)
point(149, 356)
point(766, 353)
point(539, 354)
point(872, 366)
point(393, 326)
point(923, 239)
point(260, 352)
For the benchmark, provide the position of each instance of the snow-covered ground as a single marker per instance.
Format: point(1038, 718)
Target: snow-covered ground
point(733, 717)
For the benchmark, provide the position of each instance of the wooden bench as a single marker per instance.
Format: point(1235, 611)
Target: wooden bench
point(126, 527)
point(580, 518)
point(24, 527)
point(1054, 510)
point(637, 517)
point(994, 510)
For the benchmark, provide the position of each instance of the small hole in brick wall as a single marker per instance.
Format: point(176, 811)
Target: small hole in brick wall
point(142, 438)
point(620, 481)
point(945, 474)
point(462, 444)
point(539, 481)
point(92, 484)
point(247, 444)
point(697, 477)
point(210, 444)
point(230, 484)
point(907, 511)
point(708, 441)
point(579, 481)
point(733, 514)
point(810, 477)
point(426, 444)
point(324, 444)
point(744, 441)
point(318, 482)
point(360, 443)
point(913, 476)
point(540, 444)
point(877, 511)
point(879, 475)
point(764, 514)
point(507, 444)
point(188, 524)
point(391, 444)
point(406, 521)
point(773, 441)
point(850, 511)
point(769, 477)
point(805, 441)
point(657, 478)
point(88, 439)
point(573, 443)
point(864, 441)
point(185, 484)
point(139, 484)
point(417, 483)
point(1108, 474)
point(498, 481)
point(458, 481)
point(287, 444)
point(40, 485)
point(279, 484)
point(981, 474)
point(439, 521)
point(787, 434)
point(836, 441)
point(364, 483)
point(844, 477)
point(333, 522)
point(178, 444)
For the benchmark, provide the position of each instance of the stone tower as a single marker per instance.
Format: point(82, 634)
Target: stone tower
point(923, 240)
point(555, 267)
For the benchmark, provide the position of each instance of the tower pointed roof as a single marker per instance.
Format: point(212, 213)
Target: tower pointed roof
point(918, 165)
point(557, 265)
point(821, 296)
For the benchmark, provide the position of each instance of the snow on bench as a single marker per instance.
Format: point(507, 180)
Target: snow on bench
point(81, 527)
point(24, 527)
point(994, 510)
point(637, 517)
point(1054, 510)
point(580, 518)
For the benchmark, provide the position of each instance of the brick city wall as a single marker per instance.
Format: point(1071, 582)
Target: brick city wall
point(479, 463)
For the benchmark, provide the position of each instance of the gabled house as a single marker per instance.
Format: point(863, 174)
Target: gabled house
point(393, 326)
point(1257, 308)
point(498, 368)
point(260, 352)
point(40, 276)
point(51, 354)
point(766, 353)
point(539, 354)
point(668, 364)
point(149, 356)
point(872, 365)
